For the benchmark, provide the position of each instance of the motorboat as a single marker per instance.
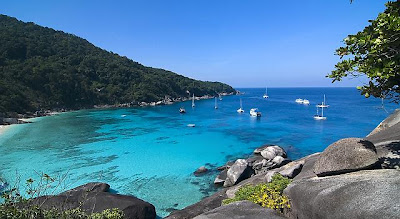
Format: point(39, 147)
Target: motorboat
point(182, 110)
point(191, 125)
point(255, 113)
point(300, 101)
point(306, 102)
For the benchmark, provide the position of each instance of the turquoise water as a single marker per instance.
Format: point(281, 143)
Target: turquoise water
point(152, 154)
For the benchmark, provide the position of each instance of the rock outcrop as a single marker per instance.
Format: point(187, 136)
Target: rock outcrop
point(240, 210)
point(362, 194)
point(238, 171)
point(234, 172)
point(346, 155)
point(95, 197)
point(386, 138)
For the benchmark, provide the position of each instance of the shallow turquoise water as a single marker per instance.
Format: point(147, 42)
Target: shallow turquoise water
point(151, 153)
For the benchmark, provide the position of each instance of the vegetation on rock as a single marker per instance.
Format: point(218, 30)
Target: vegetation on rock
point(374, 53)
point(41, 68)
point(268, 195)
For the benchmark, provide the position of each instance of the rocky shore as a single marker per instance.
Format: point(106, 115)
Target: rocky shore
point(351, 178)
point(18, 118)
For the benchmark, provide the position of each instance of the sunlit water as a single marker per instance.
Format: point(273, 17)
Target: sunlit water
point(152, 154)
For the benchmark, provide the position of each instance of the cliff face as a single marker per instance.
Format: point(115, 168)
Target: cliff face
point(352, 178)
point(41, 68)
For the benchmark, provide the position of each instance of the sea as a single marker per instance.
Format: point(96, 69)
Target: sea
point(151, 153)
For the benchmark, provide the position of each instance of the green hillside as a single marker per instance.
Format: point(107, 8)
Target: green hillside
point(41, 68)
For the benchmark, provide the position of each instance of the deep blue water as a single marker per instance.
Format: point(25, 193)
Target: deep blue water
point(151, 153)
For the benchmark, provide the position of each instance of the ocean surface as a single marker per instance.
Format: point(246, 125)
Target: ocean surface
point(152, 153)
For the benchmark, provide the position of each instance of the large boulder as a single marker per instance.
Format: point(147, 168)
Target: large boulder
point(271, 152)
point(307, 171)
point(346, 155)
point(390, 121)
point(95, 197)
point(237, 172)
point(362, 194)
point(386, 138)
point(240, 210)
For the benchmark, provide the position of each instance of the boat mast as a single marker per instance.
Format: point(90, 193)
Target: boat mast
point(193, 100)
point(241, 103)
point(322, 114)
point(324, 101)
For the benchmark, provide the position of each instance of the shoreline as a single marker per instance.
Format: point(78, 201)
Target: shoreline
point(27, 118)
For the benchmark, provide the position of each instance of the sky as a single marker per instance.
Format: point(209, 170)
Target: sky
point(243, 43)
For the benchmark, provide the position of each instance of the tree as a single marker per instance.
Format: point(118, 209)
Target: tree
point(374, 53)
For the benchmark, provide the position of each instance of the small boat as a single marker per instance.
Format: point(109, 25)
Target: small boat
point(265, 96)
point(306, 102)
point(320, 117)
point(123, 116)
point(193, 105)
point(191, 125)
point(300, 101)
point(182, 110)
point(323, 104)
point(216, 104)
point(240, 110)
point(255, 113)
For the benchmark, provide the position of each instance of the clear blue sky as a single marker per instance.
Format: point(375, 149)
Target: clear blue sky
point(242, 43)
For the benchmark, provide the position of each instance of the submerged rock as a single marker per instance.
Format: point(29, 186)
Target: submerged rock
point(200, 171)
point(95, 197)
point(346, 155)
point(240, 210)
point(200, 207)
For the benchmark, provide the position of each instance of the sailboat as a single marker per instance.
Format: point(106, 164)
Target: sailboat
point(320, 117)
point(193, 105)
point(216, 104)
point(323, 104)
point(240, 110)
point(265, 96)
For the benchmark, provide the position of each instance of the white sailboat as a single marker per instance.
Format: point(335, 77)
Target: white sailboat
point(323, 104)
point(320, 117)
point(216, 104)
point(240, 110)
point(193, 105)
point(265, 96)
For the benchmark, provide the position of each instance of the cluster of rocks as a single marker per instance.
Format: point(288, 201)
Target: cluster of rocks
point(351, 178)
point(263, 159)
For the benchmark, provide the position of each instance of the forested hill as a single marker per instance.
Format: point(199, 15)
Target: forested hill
point(41, 68)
